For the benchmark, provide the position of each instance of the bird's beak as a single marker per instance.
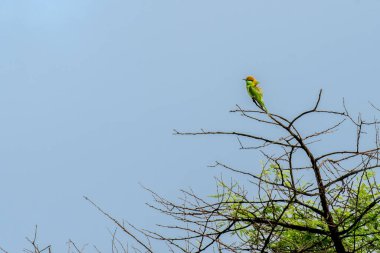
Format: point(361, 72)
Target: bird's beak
point(244, 79)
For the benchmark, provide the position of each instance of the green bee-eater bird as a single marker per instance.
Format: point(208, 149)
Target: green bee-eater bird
point(255, 92)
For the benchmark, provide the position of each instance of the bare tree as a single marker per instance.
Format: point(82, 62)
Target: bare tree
point(302, 200)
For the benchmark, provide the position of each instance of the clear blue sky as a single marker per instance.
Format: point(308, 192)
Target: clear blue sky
point(91, 90)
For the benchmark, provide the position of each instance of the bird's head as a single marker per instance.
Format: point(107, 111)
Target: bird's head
point(251, 79)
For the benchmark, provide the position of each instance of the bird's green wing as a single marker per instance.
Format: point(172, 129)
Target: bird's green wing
point(257, 94)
